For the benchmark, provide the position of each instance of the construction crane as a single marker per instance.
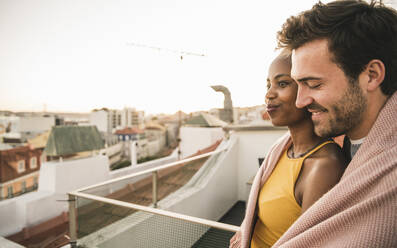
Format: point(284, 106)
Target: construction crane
point(181, 53)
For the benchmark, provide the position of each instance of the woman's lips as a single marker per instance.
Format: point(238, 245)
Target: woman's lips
point(272, 108)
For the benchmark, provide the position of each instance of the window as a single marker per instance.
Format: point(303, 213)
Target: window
point(35, 182)
point(21, 166)
point(10, 191)
point(33, 163)
point(119, 120)
point(23, 187)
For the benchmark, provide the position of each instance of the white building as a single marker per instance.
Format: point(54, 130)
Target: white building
point(249, 114)
point(100, 118)
point(25, 124)
point(9, 124)
point(198, 132)
point(196, 138)
point(130, 117)
point(35, 124)
point(156, 136)
point(109, 120)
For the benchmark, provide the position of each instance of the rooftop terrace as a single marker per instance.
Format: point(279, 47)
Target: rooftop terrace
point(191, 203)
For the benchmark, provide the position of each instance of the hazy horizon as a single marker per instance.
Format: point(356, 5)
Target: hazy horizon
point(76, 56)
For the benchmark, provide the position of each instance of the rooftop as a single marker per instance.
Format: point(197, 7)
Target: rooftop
point(66, 140)
point(40, 141)
point(205, 120)
point(130, 130)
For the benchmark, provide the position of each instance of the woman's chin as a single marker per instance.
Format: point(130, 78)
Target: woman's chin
point(276, 123)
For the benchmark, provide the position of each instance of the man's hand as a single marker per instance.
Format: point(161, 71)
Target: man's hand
point(235, 241)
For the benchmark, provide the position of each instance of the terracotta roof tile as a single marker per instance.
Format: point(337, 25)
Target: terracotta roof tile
point(129, 130)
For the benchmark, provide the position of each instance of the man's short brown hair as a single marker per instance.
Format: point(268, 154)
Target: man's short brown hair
point(356, 31)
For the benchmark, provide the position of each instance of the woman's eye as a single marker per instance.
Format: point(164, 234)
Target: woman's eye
point(283, 84)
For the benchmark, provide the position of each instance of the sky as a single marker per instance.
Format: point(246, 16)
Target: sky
point(78, 55)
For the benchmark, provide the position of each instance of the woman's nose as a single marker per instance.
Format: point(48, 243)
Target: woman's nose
point(270, 94)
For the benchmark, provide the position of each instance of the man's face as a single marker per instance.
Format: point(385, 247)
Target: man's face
point(336, 104)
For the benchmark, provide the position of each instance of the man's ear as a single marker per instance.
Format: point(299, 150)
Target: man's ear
point(375, 71)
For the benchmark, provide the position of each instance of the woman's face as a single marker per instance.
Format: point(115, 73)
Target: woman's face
point(281, 95)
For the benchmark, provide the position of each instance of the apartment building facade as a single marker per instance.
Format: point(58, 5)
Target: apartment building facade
point(19, 170)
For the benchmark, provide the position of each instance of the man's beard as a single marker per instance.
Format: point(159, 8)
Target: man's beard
point(344, 115)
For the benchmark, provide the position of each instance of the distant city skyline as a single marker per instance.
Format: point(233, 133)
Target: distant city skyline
point(76, 56)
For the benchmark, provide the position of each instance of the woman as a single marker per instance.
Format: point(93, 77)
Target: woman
point(298, 170)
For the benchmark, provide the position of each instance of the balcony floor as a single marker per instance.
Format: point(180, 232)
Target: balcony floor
point(219, 238)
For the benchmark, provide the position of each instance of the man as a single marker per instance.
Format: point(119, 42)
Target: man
point(344, 59)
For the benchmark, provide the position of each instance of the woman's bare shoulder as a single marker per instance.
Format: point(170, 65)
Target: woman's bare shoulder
point(329, 155)
point(321, 171)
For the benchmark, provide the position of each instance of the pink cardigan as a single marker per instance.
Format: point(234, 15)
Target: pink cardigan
point(360, 211)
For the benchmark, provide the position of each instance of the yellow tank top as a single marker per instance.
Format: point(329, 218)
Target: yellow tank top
point(277, 206)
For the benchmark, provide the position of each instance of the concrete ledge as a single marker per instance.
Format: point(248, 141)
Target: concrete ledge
point(252, 128)
point(5, 243)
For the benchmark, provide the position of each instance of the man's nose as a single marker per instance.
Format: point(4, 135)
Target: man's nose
point(303, 98)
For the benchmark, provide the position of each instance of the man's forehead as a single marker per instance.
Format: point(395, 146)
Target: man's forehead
point(310, 58)
point(312, 49)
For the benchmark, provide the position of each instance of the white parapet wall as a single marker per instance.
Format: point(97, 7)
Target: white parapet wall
point(213, 188)
point(144, 166)
point(109, 188)
point(11, 221)
point(253, 143)
point(69, 175)
point(55, 181)
point(196, 138)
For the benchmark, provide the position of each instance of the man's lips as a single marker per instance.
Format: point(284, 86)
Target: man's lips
point(315, 108)
point(317, 112)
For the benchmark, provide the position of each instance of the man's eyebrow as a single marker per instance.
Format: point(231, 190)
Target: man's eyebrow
point(308, 79)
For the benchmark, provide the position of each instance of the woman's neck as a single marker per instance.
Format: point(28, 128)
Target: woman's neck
point(303, 136)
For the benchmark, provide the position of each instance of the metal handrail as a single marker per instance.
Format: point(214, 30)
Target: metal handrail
point(73, 197)
point(223, 226)
point(151, 170)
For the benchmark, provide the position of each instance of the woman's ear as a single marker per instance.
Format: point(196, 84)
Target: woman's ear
point(375, 71)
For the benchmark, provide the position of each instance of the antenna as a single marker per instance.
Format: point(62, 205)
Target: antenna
point(160, 49)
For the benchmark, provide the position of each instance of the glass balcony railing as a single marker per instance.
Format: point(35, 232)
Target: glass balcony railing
point(138, 210)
